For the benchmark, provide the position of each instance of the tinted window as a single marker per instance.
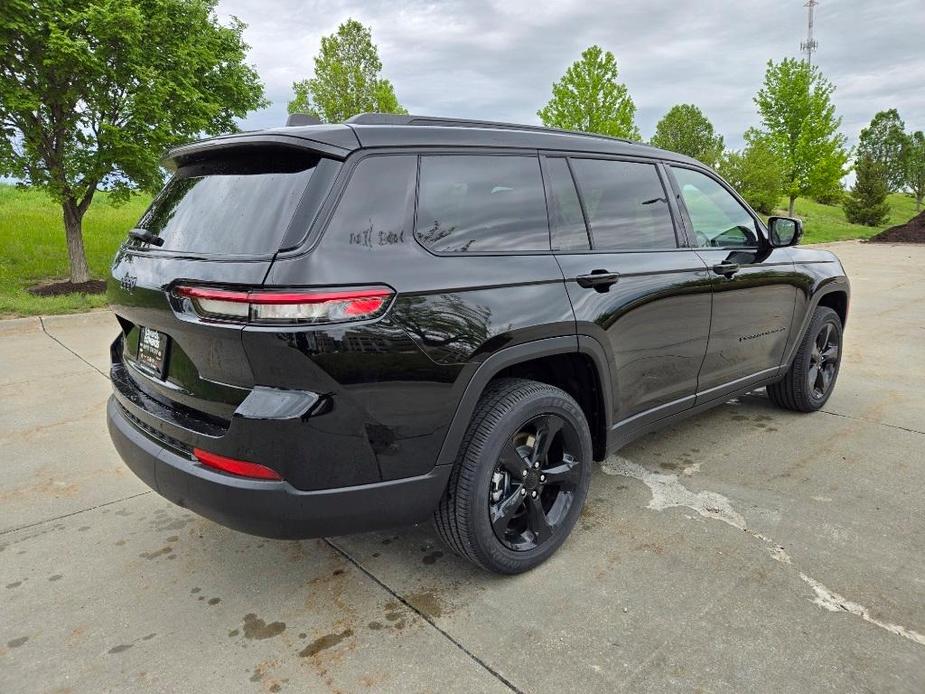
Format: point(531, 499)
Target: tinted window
point(231, 205)
point(625, 203)
point(481, 203)
point(375, 209)
point(718, 219)
point(566, 222)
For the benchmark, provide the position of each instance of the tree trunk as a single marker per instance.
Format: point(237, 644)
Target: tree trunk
point(73, 229)
point(793, 199)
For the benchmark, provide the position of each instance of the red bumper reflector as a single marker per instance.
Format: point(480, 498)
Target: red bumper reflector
point(235, 467)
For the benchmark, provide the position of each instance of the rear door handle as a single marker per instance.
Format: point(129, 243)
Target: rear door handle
point(727, 270)
point(598, 279)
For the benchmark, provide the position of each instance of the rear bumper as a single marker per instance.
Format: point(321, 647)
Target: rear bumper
point(273, 509)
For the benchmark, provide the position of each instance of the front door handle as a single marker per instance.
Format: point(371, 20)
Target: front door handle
point(727, 270)
point(598, 279)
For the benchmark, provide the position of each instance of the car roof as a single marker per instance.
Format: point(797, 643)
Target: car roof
point(382, 130)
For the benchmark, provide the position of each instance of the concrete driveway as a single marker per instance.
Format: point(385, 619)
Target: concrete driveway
point(747, 549)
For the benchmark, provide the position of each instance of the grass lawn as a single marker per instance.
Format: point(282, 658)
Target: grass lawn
point(32, 247)
point(824, 223)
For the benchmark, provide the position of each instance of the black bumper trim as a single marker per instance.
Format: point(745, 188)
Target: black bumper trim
point(273, 509)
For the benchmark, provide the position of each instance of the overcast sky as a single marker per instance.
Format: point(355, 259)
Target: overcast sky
point(498, 60)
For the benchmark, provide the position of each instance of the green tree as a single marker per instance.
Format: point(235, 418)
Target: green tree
point(93, 91)
point(798, 118)
point(685, 130)
point(914, 167)
point(347, 78)
point(867, 203)
point(884, 142)
point(589, 98)
point(756, 173)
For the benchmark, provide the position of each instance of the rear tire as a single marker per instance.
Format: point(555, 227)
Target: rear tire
point(808, 384)
point(520, 479)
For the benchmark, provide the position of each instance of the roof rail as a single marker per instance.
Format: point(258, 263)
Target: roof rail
point(437, 121)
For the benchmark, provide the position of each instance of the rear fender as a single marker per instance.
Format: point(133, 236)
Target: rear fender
point(511, 356)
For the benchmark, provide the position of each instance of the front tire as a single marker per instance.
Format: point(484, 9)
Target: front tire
point(811, 378)
point(521, 477)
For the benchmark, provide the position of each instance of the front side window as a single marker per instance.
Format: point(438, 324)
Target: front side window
point(718, 219)
point(626, 205)
point(472, 204)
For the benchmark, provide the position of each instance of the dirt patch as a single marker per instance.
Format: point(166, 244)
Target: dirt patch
point(256, 628)
point(912, 231)
point(68, 287)
point(325, 642)
point(426, 603)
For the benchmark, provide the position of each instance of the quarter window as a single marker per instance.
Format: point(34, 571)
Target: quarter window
point(719, 220)
point(566, 221)
point(471, 204)
point(375, 209)
point(625, 204)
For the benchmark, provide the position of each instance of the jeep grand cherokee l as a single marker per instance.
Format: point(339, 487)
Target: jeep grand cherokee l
point(337, 328)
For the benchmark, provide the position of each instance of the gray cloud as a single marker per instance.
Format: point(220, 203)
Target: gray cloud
point(498, 60)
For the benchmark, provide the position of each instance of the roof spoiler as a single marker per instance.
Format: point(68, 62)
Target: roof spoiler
point(296, 119)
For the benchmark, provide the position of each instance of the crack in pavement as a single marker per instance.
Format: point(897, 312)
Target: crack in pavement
point(871, 421)
point(427, 618)
point(74, 513)
point(758, 398)
point(45, 330)
point(668, 492)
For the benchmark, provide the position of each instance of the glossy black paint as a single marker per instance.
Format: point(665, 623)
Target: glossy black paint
point(359, 406)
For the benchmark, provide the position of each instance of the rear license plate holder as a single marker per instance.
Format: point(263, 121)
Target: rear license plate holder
point(152, 351)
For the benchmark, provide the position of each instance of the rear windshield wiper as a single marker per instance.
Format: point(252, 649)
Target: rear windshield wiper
point(146, 236)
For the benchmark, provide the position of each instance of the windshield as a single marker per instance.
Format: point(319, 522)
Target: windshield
point(230, 205)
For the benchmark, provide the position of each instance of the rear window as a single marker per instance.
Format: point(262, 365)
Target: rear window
point(472, 204)
point(238, 204)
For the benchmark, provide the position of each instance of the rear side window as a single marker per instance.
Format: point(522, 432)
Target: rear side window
point(375, 209)
point(566, 221)
point(235, 204)
point(626, 204)
point(471, 204)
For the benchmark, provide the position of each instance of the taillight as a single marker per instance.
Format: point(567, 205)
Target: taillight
point(242, 468)
point(295, 306)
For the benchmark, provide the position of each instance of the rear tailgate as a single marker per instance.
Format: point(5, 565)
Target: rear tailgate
point(219, 222)
point(204, 367)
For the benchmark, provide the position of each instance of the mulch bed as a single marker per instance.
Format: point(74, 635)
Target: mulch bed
point(68, 287)
point(912, 231)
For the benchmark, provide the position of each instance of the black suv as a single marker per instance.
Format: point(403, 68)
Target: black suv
point(337, 328)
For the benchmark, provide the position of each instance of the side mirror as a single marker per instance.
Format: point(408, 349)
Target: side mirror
point(785, 231)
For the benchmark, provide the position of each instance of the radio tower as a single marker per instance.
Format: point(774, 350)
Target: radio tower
point(810, 44)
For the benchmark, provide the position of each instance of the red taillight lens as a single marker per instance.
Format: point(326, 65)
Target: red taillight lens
point(236, 467)
point(274, 307)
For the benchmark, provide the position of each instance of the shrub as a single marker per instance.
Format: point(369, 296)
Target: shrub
point(867, 203)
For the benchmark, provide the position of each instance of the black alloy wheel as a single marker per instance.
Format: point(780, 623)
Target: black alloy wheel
point(823, 360)
point(533, 485)
point(810, 379)
point(520, 479)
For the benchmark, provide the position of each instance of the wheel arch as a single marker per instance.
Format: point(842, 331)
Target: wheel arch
point(577, 364)
point(834, 293)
